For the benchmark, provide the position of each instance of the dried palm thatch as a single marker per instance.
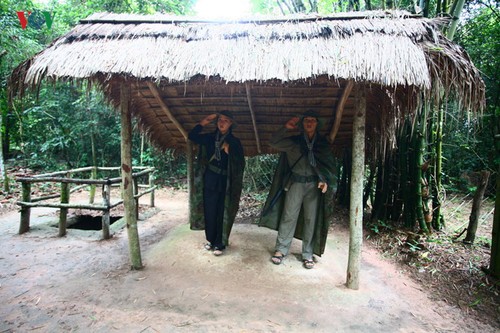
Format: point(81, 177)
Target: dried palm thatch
point(265, 70)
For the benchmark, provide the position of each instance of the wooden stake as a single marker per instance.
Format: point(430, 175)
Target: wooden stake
point(24, 226)
point(63, 212)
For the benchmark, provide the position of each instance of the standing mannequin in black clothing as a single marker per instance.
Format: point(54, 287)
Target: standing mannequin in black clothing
point(221, 155)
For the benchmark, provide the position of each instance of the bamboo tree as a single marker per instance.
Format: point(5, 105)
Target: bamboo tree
point(408, 203)
point(437, 217)
point(377, 202)
point(419, 159)
point(494, 268)
point(455, 12)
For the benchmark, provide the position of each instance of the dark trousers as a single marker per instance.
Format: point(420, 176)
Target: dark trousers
point(213, 204)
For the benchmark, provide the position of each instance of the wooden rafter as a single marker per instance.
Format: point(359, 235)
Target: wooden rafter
point(252, 113)
point(340, 110)
point(164, 107)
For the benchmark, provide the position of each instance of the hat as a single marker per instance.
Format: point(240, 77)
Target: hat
point(228, 114)
point(313, 114)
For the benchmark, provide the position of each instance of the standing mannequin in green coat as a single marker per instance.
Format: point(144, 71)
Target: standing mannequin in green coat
point(219, 181)
point(305, 172)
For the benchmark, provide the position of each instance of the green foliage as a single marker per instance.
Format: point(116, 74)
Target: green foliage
point(259, 172)
point(324, 7)
point(469, 140)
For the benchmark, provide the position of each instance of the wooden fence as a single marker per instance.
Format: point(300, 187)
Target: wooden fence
point(64, 178)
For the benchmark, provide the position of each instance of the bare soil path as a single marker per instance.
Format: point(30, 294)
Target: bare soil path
point(79, 283)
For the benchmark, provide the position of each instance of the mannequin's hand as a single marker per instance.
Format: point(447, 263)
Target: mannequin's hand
point(323, 187)
point(208, 119)
point(225, 147)
point(292, 123)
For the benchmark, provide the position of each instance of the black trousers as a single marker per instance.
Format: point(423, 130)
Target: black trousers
point(213, 204)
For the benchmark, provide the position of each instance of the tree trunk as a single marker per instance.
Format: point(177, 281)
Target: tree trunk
point(437, 217)
point(127, 182)
point(476, 207)
point(356, 205)
point(494, 269)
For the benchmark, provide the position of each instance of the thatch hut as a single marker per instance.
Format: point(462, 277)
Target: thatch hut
point(169, 72)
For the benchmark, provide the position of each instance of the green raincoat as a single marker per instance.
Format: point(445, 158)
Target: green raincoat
point(273, 208)
point(236, 166)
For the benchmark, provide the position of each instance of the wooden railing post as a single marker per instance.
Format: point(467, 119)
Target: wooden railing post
point(63, 213)
point(24, 226)
point(93, 175)
point(151, 185)
point(136, 191)
point(106, 198)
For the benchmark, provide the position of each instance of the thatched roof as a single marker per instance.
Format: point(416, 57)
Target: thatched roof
point(266, 70)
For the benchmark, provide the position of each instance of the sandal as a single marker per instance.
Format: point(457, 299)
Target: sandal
point(217, 252)
point(308, 263)
point(277, 258)
point(208, 246)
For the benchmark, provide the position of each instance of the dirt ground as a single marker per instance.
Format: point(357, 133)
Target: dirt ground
point(79, 283)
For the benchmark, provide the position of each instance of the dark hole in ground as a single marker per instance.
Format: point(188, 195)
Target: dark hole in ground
point(89, 222)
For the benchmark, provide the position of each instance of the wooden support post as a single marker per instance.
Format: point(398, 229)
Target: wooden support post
point(106, 198)
point(126, 173)
point(24, 226)
point(63, 212)
point(356, 204)
point(190, 177)
point(151, 185)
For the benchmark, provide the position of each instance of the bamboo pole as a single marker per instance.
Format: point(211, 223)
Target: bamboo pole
point(356, 204)
point(127, 182)
point(252, 114)
point(24, 226)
